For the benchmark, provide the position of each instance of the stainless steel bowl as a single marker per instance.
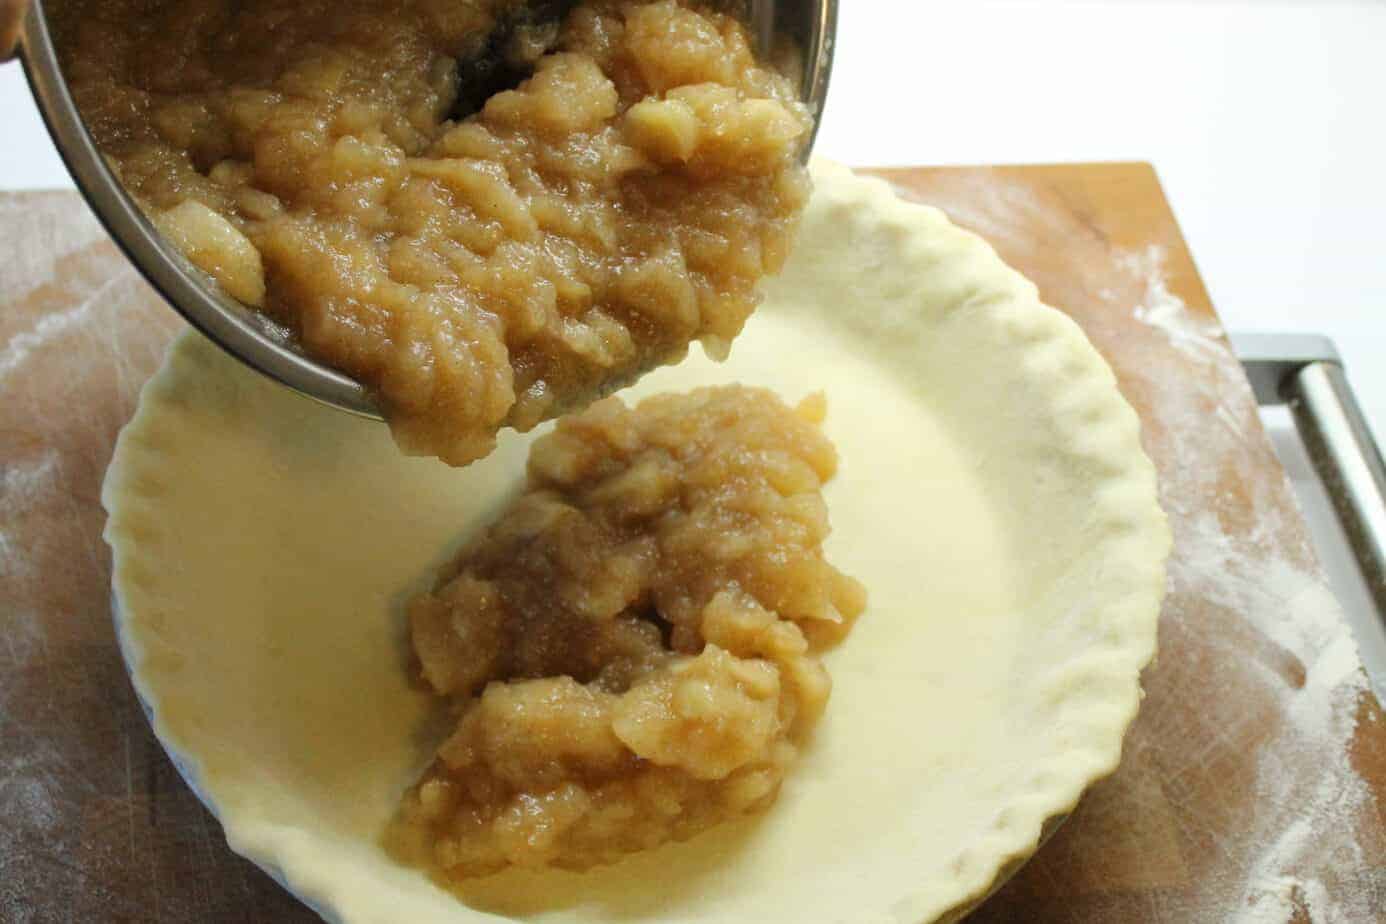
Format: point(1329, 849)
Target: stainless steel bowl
point(244, 333)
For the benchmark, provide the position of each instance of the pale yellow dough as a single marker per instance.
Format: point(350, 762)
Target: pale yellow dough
point(993, 497)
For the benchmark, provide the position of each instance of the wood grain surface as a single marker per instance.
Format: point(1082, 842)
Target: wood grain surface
point(95, 824)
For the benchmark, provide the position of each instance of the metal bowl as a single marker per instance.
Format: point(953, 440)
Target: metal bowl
point(243, 332)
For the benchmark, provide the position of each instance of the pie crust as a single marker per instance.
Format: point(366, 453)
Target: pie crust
point(992, 496)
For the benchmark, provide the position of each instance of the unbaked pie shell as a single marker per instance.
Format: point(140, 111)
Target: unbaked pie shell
point(993, 497)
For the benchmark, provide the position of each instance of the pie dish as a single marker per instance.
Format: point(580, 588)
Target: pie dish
point(992, 496)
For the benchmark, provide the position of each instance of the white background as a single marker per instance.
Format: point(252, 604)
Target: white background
point(1265, 120)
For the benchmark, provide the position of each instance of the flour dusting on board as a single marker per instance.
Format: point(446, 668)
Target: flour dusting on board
point(1305, 810)
point(1300, 804)
point(47, 329)
point(32, 259)
point(35, 263)
point(20, 485)
point(1161, 308)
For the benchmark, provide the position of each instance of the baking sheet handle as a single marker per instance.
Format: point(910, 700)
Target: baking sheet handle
point(1306, 373)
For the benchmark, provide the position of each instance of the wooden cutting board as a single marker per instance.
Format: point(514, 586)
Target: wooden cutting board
point(1253, 782)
